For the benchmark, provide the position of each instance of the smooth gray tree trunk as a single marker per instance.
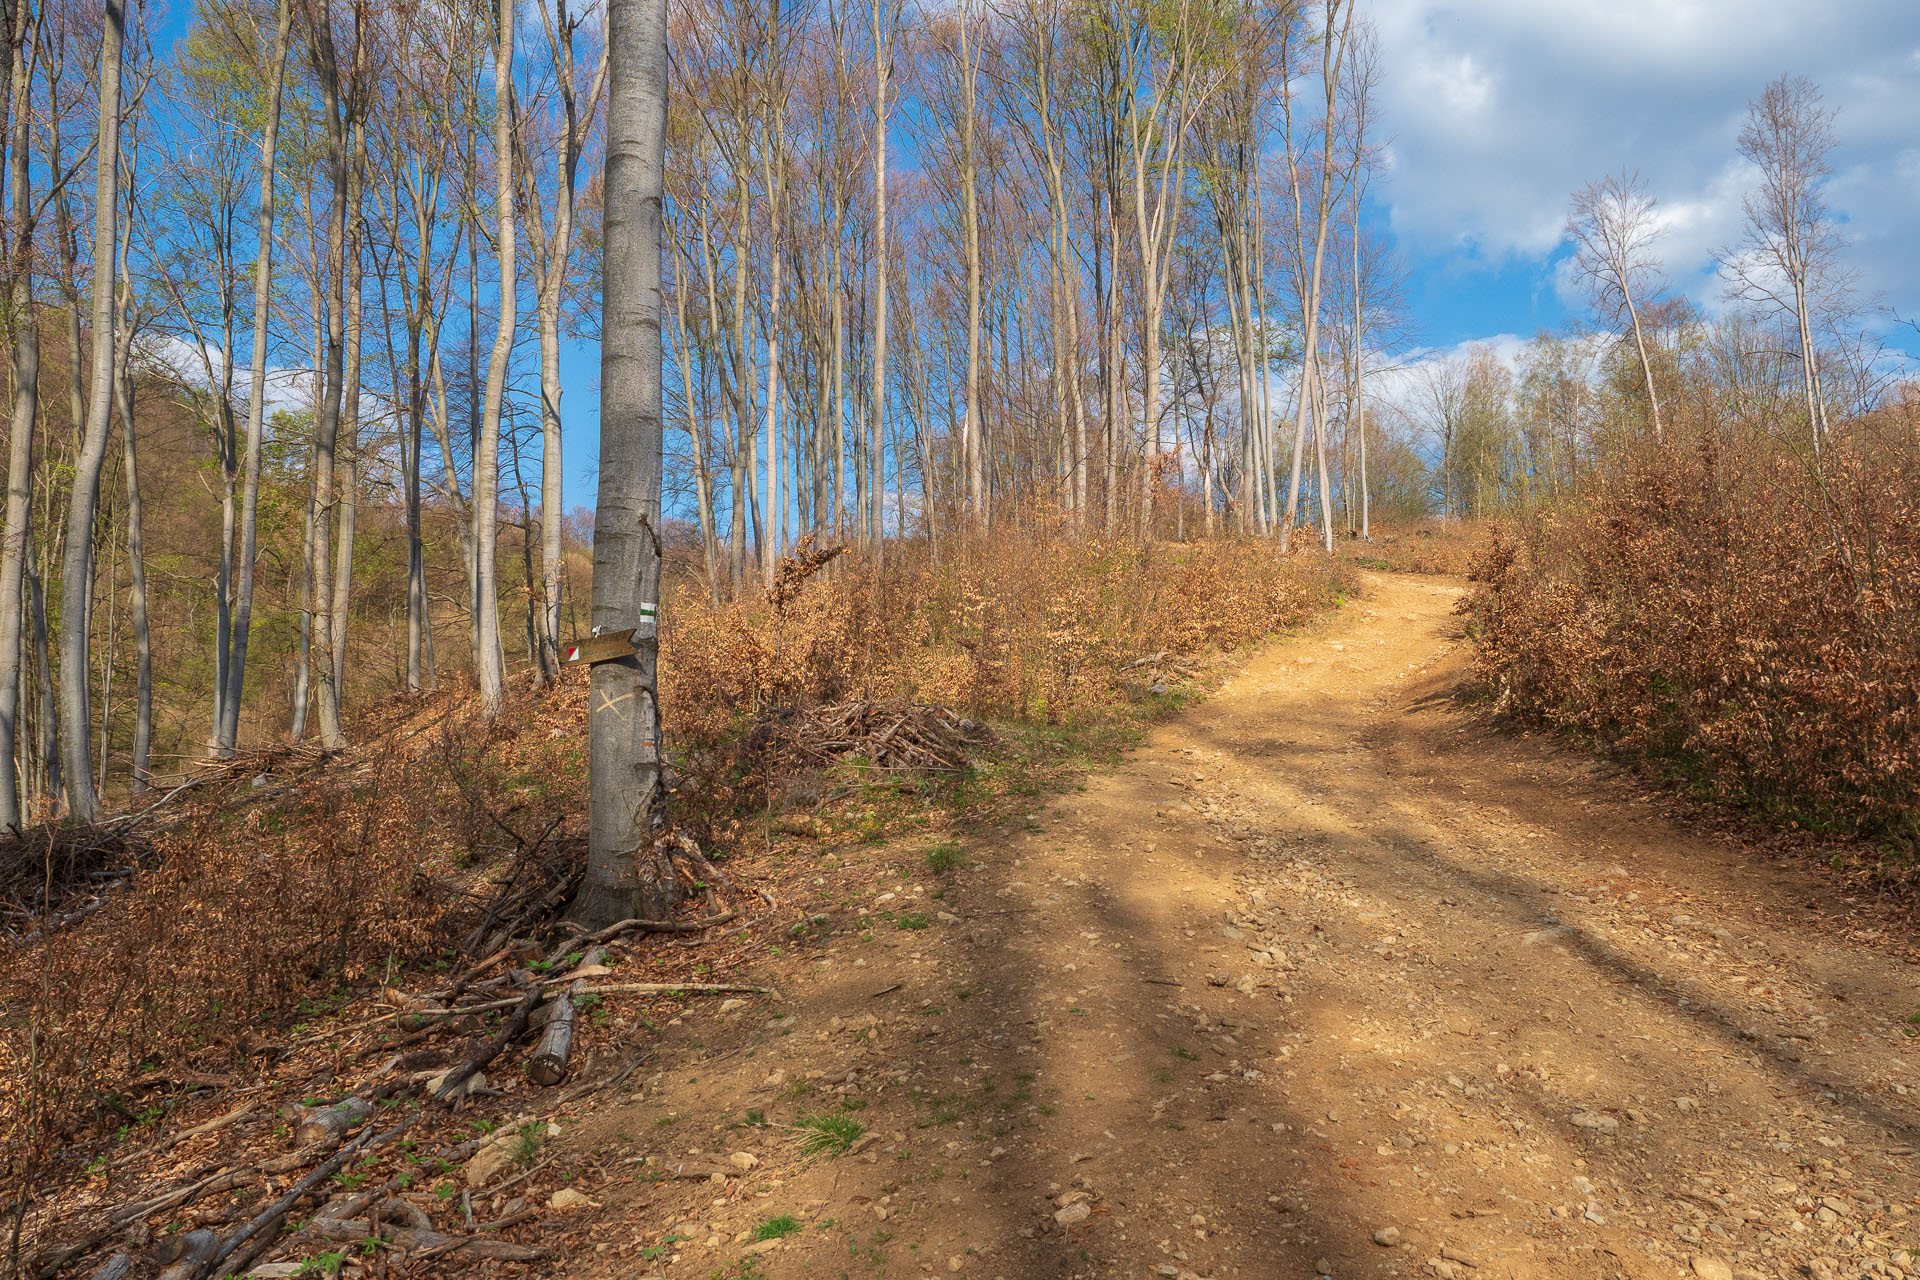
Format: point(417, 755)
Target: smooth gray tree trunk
point(486, 457)
point(229, 734)
point(137, 566)
point(349, 463)
point(24, 332)
point(626, 875)
point(76, 571)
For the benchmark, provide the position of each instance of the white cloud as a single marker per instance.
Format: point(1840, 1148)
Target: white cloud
point(1498, 109)
point(287, 388)
point(1401, 384)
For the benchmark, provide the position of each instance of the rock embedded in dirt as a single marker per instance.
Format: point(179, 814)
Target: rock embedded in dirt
point(1387, 1237)
point(1596, 1121)
point(1710, 1268)
point(487, 1162)
point(1074, 1214)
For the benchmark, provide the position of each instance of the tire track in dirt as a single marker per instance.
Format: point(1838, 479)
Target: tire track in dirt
point(1327, 978)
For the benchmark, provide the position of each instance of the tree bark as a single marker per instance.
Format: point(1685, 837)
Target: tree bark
point(486, 459)
point(76, 574)
point(349, 463)
point(23, 330)
point(625, 872)
point(882, 72)
point(229, 733)
point(136, 545)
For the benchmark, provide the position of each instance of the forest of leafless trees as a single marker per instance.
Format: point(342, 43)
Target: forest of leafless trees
point(297, 292)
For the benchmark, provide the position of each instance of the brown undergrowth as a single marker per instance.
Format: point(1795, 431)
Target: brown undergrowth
point(291, 884)
point(1737, 618)
point(1437, 547)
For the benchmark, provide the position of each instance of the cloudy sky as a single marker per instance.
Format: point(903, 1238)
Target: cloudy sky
point(1498, 109)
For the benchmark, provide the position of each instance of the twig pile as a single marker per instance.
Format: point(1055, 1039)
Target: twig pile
point(538, 994)
point(887, 735)
point(63, 872)
point(538, 882)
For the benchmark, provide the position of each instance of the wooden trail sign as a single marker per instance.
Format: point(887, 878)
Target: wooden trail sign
point(607, 648)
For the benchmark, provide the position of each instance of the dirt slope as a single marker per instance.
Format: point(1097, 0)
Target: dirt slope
point(1326, 979)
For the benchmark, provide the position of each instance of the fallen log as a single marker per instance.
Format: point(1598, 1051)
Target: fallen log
point(331, 1123)
point(354, 1230)
point(222, 1264)
point(118, 1267)
point(185, 1255)
point(511, 1031)
point(548, 1064)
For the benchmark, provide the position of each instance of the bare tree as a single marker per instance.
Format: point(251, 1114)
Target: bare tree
point(487, 658)
point(626, 875)
point(76, 570)
point(228, 733)
point(1613, 224)
point(23, 332)
point(1333, 48)
point(1787, 262)
point(573, 116)
point(886, 23)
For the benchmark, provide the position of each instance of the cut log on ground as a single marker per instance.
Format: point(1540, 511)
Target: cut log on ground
point(353, 1230)
point(332, 1123)
point(118, 1267)
point(515, 1025)
point(548, 1065)
point(185, 1255)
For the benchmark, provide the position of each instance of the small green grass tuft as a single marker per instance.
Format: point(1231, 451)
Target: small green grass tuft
point(831, 1132)
point(777, 1228)
point(944, 857)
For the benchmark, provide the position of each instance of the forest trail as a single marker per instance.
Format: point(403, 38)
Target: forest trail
point(1328, 977)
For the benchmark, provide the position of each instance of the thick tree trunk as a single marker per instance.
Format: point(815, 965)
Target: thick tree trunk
point(229, 733)
point(76, 575)
point(486, 460)
point(24, 339)
point(626, 874)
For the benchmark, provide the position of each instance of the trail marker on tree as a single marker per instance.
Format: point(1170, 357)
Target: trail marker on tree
point(629, 871)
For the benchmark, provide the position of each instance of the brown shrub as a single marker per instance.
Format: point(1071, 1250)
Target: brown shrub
point(1035, 629)
point(1729, 612)
point(1443, 547)
point(268, 898)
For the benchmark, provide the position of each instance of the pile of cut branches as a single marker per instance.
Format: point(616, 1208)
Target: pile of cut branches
point(887, 735)
point(537, 994)
point(63, 872)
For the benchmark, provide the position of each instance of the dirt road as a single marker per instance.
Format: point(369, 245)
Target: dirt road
point(1328, 978)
